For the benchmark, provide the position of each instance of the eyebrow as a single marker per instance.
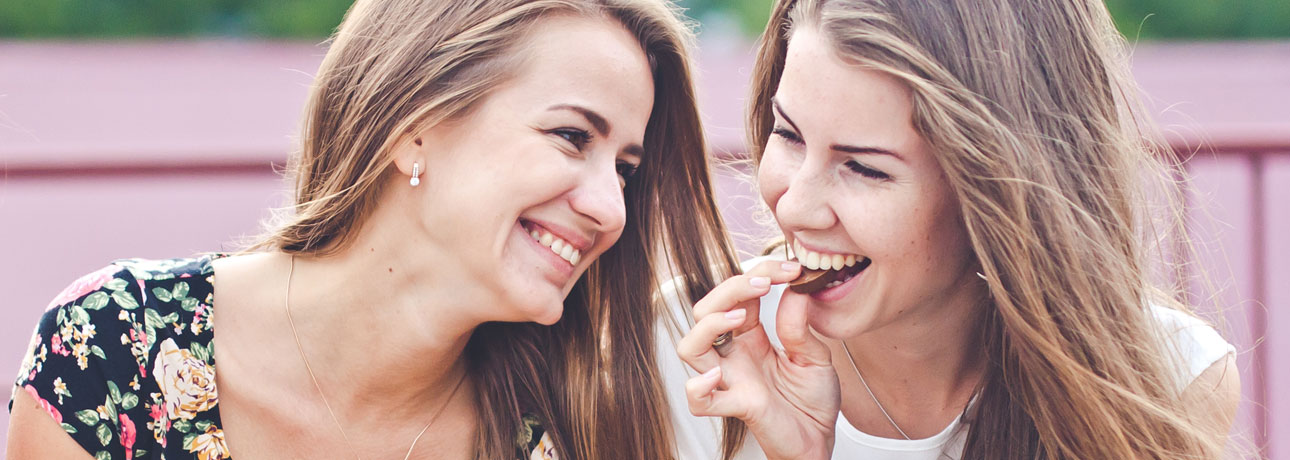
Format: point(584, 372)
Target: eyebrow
point(600, 124)
point(843, 148)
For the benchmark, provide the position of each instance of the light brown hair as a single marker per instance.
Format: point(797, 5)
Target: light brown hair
point(1028, 108)
point(396, 66)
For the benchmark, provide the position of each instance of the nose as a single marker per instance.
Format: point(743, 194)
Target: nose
point(599, 197)
point(804, 205)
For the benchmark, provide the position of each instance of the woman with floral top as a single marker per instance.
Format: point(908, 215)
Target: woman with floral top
point(464, 274)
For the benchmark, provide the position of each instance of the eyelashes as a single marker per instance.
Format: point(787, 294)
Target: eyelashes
point(851, 164)
point(578, 137)
point(787, 135)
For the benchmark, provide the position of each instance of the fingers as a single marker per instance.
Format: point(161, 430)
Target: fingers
point(751, 285)
point(696, 347)
point(800, 344)
point(706, 398)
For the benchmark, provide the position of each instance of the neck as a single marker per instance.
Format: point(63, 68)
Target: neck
point(932, 356)
point(382, 337)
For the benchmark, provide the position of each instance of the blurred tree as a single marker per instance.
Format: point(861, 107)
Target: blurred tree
point(1137, 19)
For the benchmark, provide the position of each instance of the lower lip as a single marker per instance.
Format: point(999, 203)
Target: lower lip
point(838, 292)
point(561, 266)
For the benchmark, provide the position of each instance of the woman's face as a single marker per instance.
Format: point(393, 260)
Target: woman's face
point(520, 196)
point(845, 174)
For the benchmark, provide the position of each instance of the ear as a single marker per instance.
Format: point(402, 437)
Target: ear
point(409, 150)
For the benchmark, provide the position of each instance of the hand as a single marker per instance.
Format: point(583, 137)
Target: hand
point(789, 399)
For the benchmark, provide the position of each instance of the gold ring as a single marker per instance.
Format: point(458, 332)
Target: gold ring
point(722, 343)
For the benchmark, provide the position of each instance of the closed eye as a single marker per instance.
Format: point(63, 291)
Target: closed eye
point(788, 135)
point(866, 171)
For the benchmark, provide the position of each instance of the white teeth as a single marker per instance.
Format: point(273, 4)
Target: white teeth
point(812, 260)
point(560, 247)
point(820, 261)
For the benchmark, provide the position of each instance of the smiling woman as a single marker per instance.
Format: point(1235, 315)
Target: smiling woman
point(468, 263)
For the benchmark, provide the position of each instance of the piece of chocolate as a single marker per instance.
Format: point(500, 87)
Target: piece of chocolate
point(811, 280)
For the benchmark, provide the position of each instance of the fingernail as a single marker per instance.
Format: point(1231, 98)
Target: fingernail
point(737, 314)
point(712, 373)
point(789, 266)
point(759, 281)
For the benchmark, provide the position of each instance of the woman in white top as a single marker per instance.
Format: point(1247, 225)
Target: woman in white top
point(971, 173)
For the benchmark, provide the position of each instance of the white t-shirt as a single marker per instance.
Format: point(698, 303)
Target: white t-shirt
point(698, 438)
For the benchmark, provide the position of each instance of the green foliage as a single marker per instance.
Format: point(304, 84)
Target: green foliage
point(1136, 19)
point(1201, 19)
point(170, 18)
point(313, 19)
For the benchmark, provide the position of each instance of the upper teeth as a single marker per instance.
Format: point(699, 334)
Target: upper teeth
point(557, 245)
point(822, 261)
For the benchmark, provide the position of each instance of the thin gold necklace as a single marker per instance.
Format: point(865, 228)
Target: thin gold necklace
point(287, 306)
point(871, 395)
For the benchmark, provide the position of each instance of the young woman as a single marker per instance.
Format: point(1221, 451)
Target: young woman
point(465, 272)
point(969, 176)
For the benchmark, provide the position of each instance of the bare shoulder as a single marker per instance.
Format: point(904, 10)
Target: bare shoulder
point(1215, 393)
point(33, 434)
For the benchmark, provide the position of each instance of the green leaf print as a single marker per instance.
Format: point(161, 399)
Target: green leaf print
point(95, 301)
point(153, 319)
point(182, 425)
point(110, 407)
point(189, 304)
point(97, 351)
point(69, 429)
point(125, 300)
point(102, 455)
point(114, 391)
point(161, 294)
point(105, 434)
point(188, 441)
point(199, 351)
point(88, 416)
point(129, 401)
point(203, 425)
point(180, 291)
point(116, 284)
point(173, 317)
point(79, 315)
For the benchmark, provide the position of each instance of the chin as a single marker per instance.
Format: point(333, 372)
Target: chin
point(831, 324)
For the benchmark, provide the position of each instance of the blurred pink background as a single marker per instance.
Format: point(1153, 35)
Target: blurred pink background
point(151, 149)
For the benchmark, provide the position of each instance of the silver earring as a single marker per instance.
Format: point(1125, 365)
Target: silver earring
point(983, 278)
point(416, 171)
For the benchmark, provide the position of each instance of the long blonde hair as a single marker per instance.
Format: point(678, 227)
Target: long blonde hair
point(1029, 111)
point(395, 66)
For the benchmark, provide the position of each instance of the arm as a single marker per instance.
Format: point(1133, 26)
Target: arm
point(33, 434)
point(1214, 395)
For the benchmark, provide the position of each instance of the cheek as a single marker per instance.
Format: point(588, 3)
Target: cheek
point(772, 179)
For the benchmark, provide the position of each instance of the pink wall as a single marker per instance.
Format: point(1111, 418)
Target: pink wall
point(164, 150)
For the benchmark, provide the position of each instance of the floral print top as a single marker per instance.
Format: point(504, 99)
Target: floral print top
point(123, 359)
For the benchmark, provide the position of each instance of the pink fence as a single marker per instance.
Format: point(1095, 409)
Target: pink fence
point(164, 150)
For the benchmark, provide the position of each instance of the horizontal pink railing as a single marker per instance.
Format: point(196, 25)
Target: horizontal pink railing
point(144, 149)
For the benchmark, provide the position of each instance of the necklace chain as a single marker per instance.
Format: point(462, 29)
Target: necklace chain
point(871, 395)
point(287, 306)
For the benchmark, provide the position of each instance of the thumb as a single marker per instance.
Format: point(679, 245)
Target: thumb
point(800, 343)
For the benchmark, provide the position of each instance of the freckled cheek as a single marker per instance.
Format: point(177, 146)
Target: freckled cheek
point(772, 182)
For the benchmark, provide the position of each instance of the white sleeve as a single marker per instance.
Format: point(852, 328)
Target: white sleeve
point(697, 438)
point(1194, 345)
